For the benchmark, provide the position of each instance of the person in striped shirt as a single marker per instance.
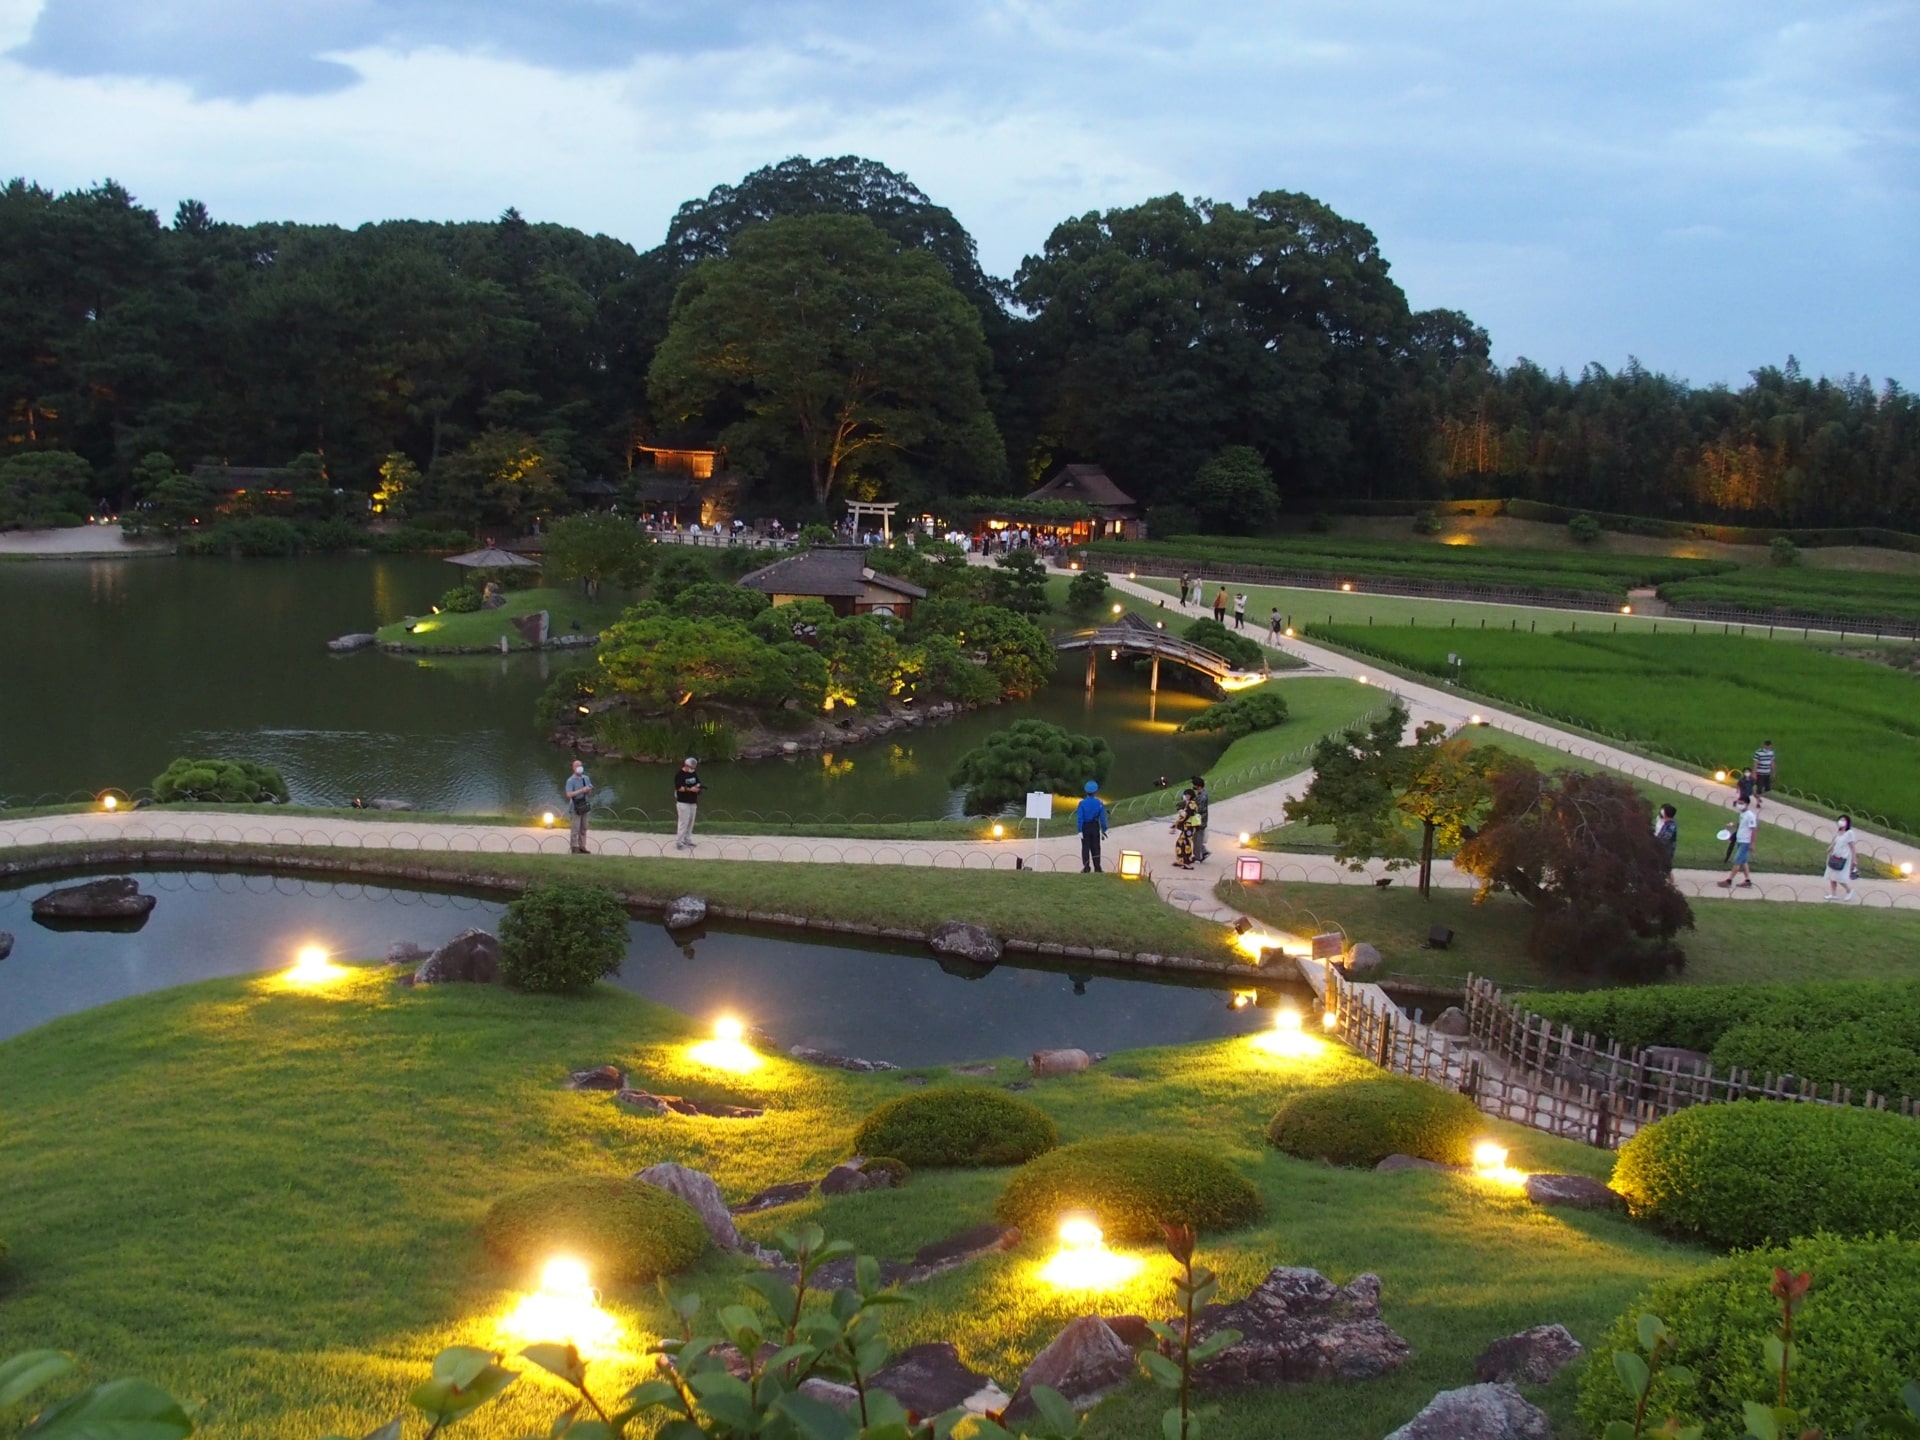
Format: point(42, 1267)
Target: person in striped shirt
point(1763, 770)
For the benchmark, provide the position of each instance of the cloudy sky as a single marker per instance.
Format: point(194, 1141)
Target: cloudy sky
point(1707, 185)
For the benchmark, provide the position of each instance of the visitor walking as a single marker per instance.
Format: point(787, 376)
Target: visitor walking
point(1743, 783)
point(1220, 606)
point(1763, 759)
point(686, 801)
point(1274, 627)
point(1200, 814)
point(1185, 824)
point(1666, 833)
point(1840, 858)
point(1186, 584)
point(1090, 819)
point(1743, 833)
point(1240, 611)
point(579, 801)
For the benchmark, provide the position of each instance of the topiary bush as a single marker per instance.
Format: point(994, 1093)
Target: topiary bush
point(1235, 648)
point(620, 1229)
point(1758, 1172)
point(560, 938)
point(1133, 1186)
point(1364, 1121)
point(956, 1126)
point(461, 600)
point(1240, 715)
point(1856, 1338)
point(233, 782)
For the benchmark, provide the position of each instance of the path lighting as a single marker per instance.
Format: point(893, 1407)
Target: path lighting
point(1248, 869)
point(311, 966)
point(565, 1310)
point(1330, 1020)
point(546, 819)
point(1361, 678)
point(1254, 943)
point(728, 1050)
point(999, 831)
point(1132, 576)
point(1626, 609)
point(1287, 1037)
point(1246, 837)
point(109, 803)
point(1721, 776)
point(1906, 869)
point(1288, 632)
point(1133, 865)
point(1490, 1163)
point(1476, 719)
point(1346, 585)
point(1083, 1261)
point(1117, 609)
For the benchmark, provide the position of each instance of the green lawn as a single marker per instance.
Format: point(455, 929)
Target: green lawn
point(482, 629)
point(266, 1200)
point(1733, 940)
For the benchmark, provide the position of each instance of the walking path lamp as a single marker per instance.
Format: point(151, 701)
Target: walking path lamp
point(1133, 865)
point(1249, 869)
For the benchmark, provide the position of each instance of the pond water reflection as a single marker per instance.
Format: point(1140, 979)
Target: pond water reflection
point(839, 997)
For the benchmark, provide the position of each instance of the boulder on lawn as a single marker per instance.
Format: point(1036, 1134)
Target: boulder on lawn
point(852, 1176)
point(774, 1196)
point(928, 1379)
point(1451, 1021)
point(6, 944)
point(1058, 1062)
point(968, 942)
point(117, 899)
point(1298, 1325)
point(840, 1062)
point(470, 958)
point(600, 1077)
point(1086, 1362)
point(1535, 1356)
point(701, 1192)
point(685, 912)
point(1364, 962)
point(1580, 1192)
point(1478, 1412)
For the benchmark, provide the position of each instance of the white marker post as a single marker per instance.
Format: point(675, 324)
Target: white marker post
point(1039, 808)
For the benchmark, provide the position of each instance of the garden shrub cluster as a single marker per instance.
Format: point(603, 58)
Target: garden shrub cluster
point(561, 937)
point(1760, 1172)
point(1863, 1034)
point(620, 1229)
point(232, 782)
point(1240, 715)
point(1026, 756)
point(1133, 1185)
point(1857, 1337)
point(1364, 1121)
point(956, 1126)
point(461, 600)
point(1236, 648)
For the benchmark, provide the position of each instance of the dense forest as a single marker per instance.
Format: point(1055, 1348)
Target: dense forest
point(435, 359)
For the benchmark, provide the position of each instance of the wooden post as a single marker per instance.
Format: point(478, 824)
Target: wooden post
point(1153, 683)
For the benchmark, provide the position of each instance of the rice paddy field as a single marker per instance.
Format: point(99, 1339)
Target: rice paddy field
point(1836, 594)
point(1847, 731)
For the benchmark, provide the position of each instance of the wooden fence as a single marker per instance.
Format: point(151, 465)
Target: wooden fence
point(1520, 1066)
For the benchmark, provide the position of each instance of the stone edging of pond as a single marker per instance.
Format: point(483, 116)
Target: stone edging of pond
point(132, 855)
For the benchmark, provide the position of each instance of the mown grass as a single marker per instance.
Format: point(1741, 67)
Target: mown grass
point(1732, 941)
point(267, 1200)
point(483, 629)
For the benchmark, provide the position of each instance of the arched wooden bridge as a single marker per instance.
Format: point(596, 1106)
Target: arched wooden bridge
point(1131, 635)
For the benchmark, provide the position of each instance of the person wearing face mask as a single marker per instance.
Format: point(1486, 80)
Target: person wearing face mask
point(1840, 859)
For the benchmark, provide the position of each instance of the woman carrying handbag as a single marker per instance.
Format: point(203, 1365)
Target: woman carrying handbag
point(1840, 859)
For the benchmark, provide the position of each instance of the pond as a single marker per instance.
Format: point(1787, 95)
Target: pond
point(112, 668)
point(840, 997)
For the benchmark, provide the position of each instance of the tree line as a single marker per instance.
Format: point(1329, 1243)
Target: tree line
point(833, 328)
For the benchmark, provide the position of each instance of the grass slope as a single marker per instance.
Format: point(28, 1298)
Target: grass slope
point(268, 1200)
point(482, 629)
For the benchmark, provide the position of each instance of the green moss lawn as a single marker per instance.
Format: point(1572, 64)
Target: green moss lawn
point(1734, 941)
point(267, 1200)
point(482, 629)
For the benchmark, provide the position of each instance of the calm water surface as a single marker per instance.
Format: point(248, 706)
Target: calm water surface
point(835, 997)
point(110, 669)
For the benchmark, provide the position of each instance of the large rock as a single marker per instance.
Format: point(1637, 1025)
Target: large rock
point(470, 958)
point(1298, 1325)
point(774, 1196)
point(1086, 1363)
point(685, 912)
point(928, 1379)
point(1058, 1062)
point(1451, 1021)
point(6, 944)
point(1579, 1192)
point(852, 1176)
point(968, 942)
point(681, 1105)
point(1364, 962)
point(1478, 1412)
point(533, 628)
point(600, 1077)
point(1535, 1356)
point(358, 641)
point(701, 1192)
point(117, 899)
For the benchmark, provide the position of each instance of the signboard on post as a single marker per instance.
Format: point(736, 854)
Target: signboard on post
point(1039, 808)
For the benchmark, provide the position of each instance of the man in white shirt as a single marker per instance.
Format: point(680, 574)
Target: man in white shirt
point(1743, 832)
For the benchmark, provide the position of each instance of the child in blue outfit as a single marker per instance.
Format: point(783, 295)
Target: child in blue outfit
point(1090, 819)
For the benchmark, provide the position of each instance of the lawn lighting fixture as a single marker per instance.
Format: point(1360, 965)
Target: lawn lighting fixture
point(1133, 865)
point(1246, 837)
point(583, 709)
point(999, 831)
point(1288, 632)
point(546, 818)
point(1721, 776)
point(1132, 576)
point(564, 1311)
point(1626, 609)
point(109, 803)
point(1117, 609)
point(1287, 1037)
point(1242, 925)
point(1346, 585)
point(1476, 718)
point(311, 966)
point(1253, 943)
point(1248, 869)
point(728, 1050)
point(1906, 869)
point(1361, 678)
point(1073, 564)
point(1083, 1261)
point(1329, 1019)
point(1490, 1163)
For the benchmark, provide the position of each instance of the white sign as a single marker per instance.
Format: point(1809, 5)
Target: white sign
point(1039, 805)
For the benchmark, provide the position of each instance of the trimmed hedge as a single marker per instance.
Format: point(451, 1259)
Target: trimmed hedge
point(1759, 1172)
point(1133, 1186)
point(955, 1126)
point(561, 937)
point(1858, 1337)
point(231, 782)
point(620, 1229)
point(1361, 1123)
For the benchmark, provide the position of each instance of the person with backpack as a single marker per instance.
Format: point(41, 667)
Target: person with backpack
point(1090, 819)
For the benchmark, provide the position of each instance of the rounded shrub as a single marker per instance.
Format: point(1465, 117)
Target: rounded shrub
point(461, 600)
point(1363, 1122)
point(620, 1229)
point(1133, 1186)
point(1857, 1337)
point(1759, 1172)
point(228, 781)
point(955, 1126)
point(560, 938)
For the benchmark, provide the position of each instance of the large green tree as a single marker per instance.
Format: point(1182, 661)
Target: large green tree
point(821, 344)
point(598, 548)
point(43, 488)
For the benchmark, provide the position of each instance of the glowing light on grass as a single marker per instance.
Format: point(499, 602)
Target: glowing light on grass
point(1490, 1163)
point(565, 1310)
point(1116, 609)
point(1906, 869)
point(1476, 719)
point(1361, 678)
point(313, 967)
point(546, 818)
point(1288, 632)
point(728, 1050)
point(1626, 609)
point(1288, 1036)
point(1241, 680)
point(1252, 943)
point(999, 831)
point(1330, 1020)
point(1083, 1261)
point(1346, 586)
point(1721, 776)
point(109, 803)
point(1249, 869)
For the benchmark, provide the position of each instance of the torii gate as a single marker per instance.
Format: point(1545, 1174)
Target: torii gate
point(881, 510)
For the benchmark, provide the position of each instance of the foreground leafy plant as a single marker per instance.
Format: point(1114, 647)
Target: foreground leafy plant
point(1193, 1287)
